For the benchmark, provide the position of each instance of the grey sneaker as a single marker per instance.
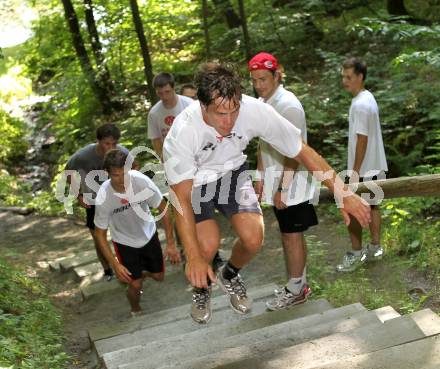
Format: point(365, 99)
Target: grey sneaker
point(283, 299)
point(236, 291)
point(201, 305)
point(375, 252)
point(351, 262)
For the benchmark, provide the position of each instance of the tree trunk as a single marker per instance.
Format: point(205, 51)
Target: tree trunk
point(396, 7)
point(103, 72)
point(83, 57)
point(206, 28)
point(427, 185)
point(247, 40)
point(225, 8)
point(148, 69)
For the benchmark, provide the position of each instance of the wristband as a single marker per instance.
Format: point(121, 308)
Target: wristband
point(282, 190)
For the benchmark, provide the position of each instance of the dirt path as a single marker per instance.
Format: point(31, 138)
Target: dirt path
point(31, 241)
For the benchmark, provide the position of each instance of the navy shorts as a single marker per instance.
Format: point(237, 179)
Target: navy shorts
point(231, 194)
point(146, 258)
point(296, 218)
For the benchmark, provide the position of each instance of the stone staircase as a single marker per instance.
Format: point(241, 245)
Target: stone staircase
point(312, 335)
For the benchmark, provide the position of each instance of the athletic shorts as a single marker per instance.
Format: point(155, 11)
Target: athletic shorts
point(296, 218)
point(231, 194)
point(136, 260)
point(90, 217)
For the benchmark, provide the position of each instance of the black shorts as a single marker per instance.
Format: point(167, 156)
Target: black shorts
point(231, 194)
point(296, 218)
point(90, 217)
point(136, 260)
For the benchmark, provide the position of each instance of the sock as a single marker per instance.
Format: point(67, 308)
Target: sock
point(304, 276)
point(230, 271)
point(357, 252)
point(108, 271)
point(294, 285)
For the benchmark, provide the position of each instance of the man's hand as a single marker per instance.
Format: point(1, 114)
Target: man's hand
point(122, 272)
point(82, 203)
point(198, 271)
point(358, 208)
point(278, 200)
point(258, 188)
point(172, 254)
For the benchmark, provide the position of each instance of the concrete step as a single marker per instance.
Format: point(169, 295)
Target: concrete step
point(230, 324)
point(88, 269)
point(422, 354)
point(93, 285)
point(168, 315)
point(239, 347)
point(85, 257)
point(187, 347)
point(342, 346)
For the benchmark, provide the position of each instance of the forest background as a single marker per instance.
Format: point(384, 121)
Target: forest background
point(86, 62)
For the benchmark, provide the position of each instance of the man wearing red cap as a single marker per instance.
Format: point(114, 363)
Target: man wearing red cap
point(285, 185)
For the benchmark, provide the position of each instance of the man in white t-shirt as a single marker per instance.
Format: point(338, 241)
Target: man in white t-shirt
point(283, 183)
point(123, 204)
point(206, 169)
point(366, 159)
point(163, 113)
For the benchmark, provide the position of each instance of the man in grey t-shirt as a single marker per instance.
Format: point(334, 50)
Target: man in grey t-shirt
point(86, 160)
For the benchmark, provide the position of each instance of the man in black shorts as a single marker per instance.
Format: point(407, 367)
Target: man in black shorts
point(86, 161)
point(123, 204)
point(288, 187)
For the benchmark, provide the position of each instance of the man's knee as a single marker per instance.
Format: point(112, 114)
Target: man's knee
point(292, 239)
point(136, 284)
point(252, 241)
point(158, 277)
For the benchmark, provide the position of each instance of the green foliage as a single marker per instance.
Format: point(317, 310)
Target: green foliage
point(30, 329)
point(12, 143)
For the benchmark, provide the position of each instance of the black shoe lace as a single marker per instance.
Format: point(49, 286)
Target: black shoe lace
point(200, 298)
point(237, 286)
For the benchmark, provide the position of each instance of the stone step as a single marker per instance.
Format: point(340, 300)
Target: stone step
point(342, 346)
point(168, 315)
point(421, 354)
point(230, 324)
point(94, 285)
point(88, 269)
point(184, 348)
point(85, 257)
point(233, 348)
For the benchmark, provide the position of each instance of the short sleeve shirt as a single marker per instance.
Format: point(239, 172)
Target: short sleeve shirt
point(194, 150)
point(301, 188)
point(364, 120)
point(128, 214)
point(160, 119)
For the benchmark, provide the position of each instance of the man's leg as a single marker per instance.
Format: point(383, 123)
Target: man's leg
point(208, 236)
point(250, 230)
point(134, 295)
point(353, 259)
point(295, 253)
point(375, 225)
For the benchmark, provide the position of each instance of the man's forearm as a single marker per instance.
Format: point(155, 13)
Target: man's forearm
point(101, 237)
point(185, 220)
point(316, 164)
point(167, 222)
point(361, 149)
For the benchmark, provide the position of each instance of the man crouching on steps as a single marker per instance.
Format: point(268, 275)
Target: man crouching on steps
point(123, 203)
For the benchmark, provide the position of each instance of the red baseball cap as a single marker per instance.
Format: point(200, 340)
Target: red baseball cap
point(263, 61)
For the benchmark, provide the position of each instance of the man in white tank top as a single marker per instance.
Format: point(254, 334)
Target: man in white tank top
point(366, 159)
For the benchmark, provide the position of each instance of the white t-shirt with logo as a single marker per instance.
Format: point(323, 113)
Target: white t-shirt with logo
point(364, 120)
point(194, 150)
point(128, 214)
point(160, 119)
point(301, 188)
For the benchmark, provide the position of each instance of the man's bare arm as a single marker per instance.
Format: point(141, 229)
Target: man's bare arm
point(158, 146)
point(101, 236)
point(352, 203)
point(171, 251)
point(361, 149)
point(197, 268)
